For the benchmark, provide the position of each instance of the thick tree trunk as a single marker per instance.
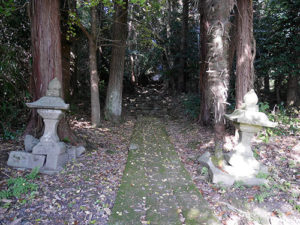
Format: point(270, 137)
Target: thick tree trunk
point(113, 104)
point(66, 50)
point(182, 76)
point(46, 53)
point(292, 92)
point(218, 14)
point(47, 61)
point(204, 116)
point(245, 51)
point(46, 44)
point(233, 41)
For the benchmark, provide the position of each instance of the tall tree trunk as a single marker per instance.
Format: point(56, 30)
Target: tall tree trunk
point(94, 77)
point(132, 45)
point(113, 104)
point(66, 50)
point(278, 82)
point(46, 53)
point(292, 92)
point(46, 44)
point(47, 62)
point(183, 47)
point(266, 85)
point(245, 51)
point(204, 116)
point(233, 41)
point(218, 14)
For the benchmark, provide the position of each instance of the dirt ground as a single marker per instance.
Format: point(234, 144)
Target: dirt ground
point(85, 191)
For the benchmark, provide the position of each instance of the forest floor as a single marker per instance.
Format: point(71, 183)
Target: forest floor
point(85, 192)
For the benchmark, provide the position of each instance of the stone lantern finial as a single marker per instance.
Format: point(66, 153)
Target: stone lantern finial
point(54, 88)
point(250, 101)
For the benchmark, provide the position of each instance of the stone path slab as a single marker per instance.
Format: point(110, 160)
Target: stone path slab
point(156, 189)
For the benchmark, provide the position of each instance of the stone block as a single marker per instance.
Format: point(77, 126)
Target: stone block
point(79, 151)
point(30, 142)
point(45, 148)
point(252, 181)
point(25, 160)
point(71, 154)
point(216, 175)
point(56, 162)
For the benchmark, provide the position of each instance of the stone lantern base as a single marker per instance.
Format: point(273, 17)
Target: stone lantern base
point(48, 154)
point(228, 176)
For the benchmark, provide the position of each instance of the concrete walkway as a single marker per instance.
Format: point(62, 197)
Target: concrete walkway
point(156, 189)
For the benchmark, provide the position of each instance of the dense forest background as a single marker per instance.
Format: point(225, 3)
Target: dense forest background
point(157, 38)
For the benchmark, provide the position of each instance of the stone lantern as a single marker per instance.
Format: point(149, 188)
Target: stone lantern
point(242, 165)
point(48, 153)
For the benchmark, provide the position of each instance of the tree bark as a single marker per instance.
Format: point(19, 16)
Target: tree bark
point(292, 92)
point(66, 50)
point(47, 61)
point(113, 104)
point(46, 44)
point(204, 116)
point(182, 76)
point(46, 53)
point(245, 50)
point(218, 14)
point(266, 85)
point(233, 41)
point(94, 77)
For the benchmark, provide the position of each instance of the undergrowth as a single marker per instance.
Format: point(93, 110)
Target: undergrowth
point(192, 106)
point(20, 185)
point(287, 119)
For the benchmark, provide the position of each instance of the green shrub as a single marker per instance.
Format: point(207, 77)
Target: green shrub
point(20, 185)
point(287, 119)
point(192, 106)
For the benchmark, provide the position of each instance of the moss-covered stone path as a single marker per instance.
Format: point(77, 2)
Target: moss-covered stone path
point(156, 189)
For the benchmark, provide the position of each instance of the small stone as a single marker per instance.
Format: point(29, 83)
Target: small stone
point(25, 160)
point(71, 153)
point(133, 147)
point(79, 151)
point(30, 142)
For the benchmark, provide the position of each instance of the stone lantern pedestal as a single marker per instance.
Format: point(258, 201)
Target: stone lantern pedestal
point(48, 153)
point(49, 144)
point(241, 163)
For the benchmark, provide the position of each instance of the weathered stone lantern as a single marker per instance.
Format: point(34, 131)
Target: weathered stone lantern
point(242, 165)
point(248, 121)
point(50, 108)
point(49, 154)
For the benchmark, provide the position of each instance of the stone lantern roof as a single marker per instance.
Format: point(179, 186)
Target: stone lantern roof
point(52, 100)
point(249, 113)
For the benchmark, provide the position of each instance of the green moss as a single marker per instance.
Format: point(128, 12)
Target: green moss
point(218, 162)
point(155, 178)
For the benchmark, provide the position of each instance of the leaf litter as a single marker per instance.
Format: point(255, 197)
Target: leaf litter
point(277, 203)
point(84, 193)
